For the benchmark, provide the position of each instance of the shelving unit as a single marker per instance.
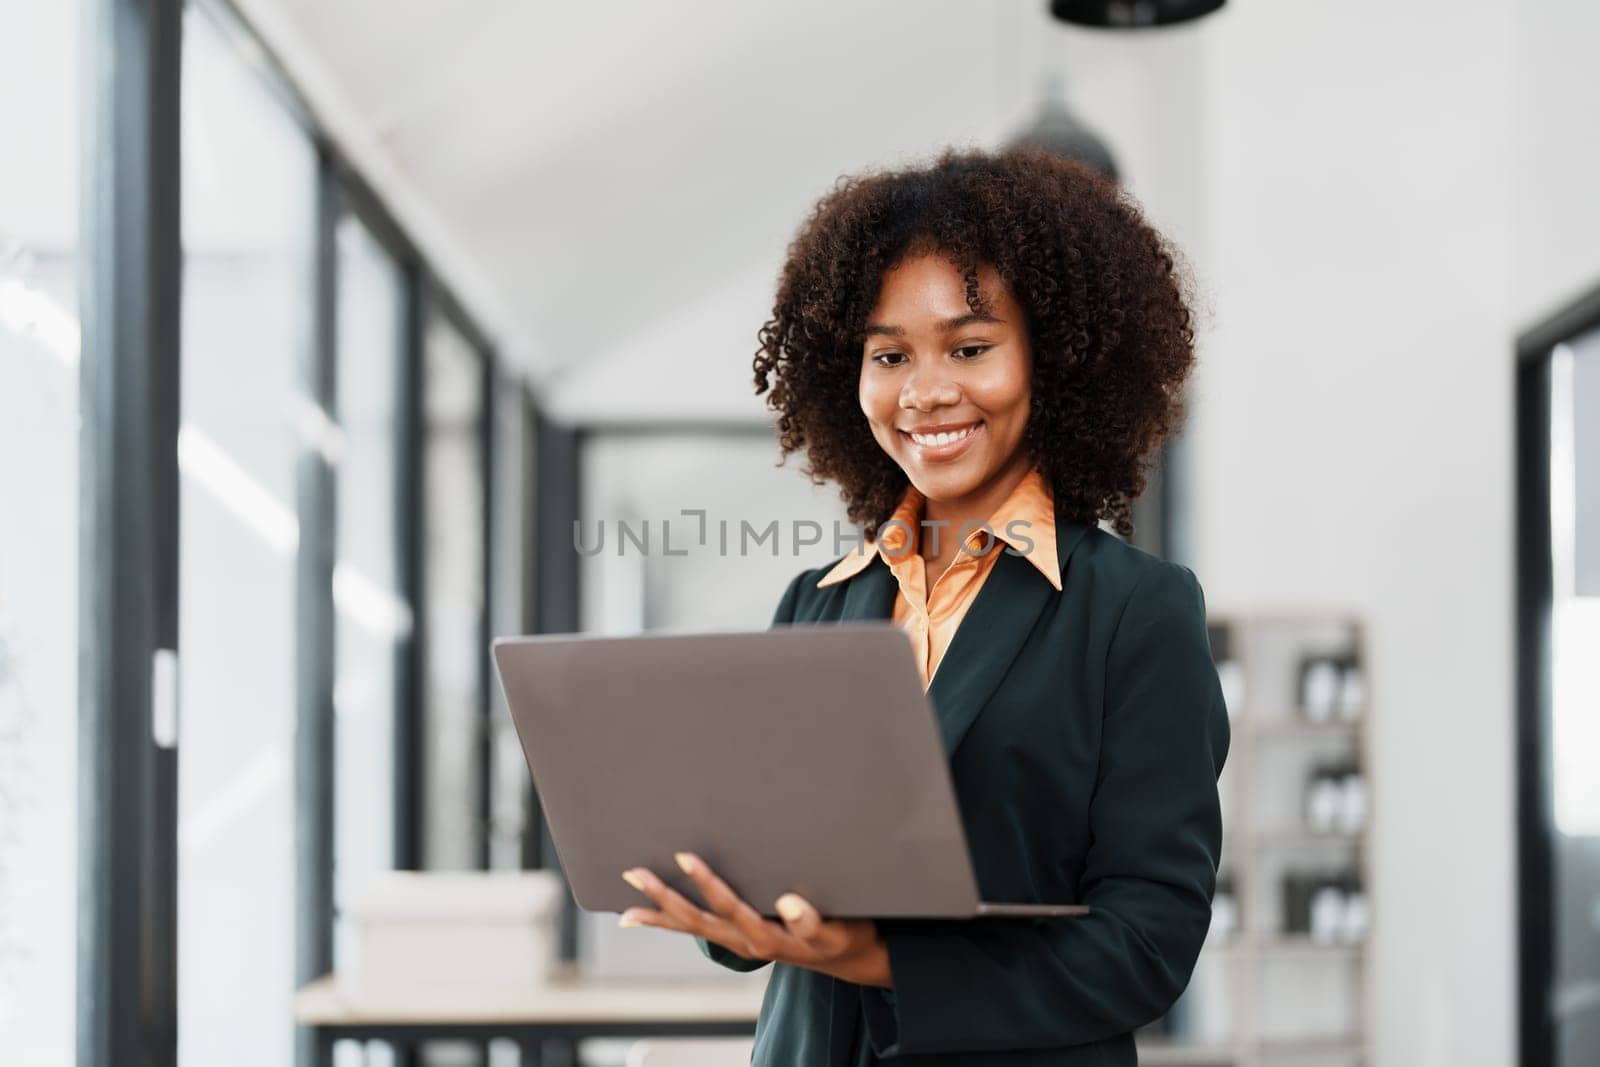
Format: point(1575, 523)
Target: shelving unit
point(1263, 995)
point(1181, 1054)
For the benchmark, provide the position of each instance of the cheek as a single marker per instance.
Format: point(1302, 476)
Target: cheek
point(1003, 395)
point(877, 402)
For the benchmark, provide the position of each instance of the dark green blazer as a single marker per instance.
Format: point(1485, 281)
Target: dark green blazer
point(1086, 731)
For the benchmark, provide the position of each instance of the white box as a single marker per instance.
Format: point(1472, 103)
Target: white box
point(421, 930)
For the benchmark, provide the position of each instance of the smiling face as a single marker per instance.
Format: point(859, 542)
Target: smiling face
point(946, 391)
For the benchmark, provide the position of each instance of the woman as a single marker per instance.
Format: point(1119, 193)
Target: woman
point(983, 354)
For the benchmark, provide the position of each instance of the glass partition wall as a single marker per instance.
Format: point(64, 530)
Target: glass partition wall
point(373, 609)
point(514, 518)
point(39, 341)
point(339, 416)
point(249, 228)
point(455, 561)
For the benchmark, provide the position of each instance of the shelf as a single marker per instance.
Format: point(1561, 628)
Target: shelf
point(1302, 728)
point(1307, 839)
point(1268, 838)
point(1178, 1054)
point(1311, 1046)
point(1282, 945)
point(1315, 615)
point(1298, 946)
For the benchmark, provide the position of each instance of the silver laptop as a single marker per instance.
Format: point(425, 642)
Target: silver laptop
point(802, 759)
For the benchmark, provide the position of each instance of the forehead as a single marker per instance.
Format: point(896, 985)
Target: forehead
point(931, 287)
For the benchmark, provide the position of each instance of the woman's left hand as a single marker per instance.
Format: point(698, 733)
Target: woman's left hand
point(848, 949)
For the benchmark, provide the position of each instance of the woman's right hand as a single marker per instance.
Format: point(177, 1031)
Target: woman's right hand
point(848, 949)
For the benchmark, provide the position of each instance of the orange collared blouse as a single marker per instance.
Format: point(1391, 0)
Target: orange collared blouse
point(1025, 521)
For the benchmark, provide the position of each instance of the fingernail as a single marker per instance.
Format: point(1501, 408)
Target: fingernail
point(789, 907)
point(634, 880)
point(629, 922)
point(685, 862)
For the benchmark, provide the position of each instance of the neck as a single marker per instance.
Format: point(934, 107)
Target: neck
point(981, 503)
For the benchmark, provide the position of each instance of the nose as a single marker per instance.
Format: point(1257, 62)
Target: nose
point(928, 387)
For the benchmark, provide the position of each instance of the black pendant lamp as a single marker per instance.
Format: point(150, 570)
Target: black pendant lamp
point(1056, 129)
point(1131, 14)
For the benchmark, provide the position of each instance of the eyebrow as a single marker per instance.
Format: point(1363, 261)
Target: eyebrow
point(875, 329)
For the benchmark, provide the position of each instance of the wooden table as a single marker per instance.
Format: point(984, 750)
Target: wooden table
point(546, 1022)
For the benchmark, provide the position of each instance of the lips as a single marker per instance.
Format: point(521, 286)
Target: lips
point(943, 442)
point(946, 437)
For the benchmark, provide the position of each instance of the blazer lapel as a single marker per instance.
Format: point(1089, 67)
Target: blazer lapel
point(870, 594)
point(994, 630)
point(990, 636)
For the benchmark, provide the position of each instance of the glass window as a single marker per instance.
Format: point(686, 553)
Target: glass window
point(510, 612)
point(1574, 753)
point(645, 565)
point(453, 592)
point(1575, 559)
point(373, 617)
point(249, 181)
point(39, 535)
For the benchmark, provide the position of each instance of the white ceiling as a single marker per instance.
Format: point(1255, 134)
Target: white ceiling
point(604, 168)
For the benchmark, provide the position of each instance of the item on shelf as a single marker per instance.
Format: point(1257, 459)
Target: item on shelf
point(1324, 800)
point(1326, 919)
point(1297, 903)
point(1352, 690)
point(1352, 801)
point(1224, 909)
point(1319, 687)
point(1230, 673)
point(1357, 918)
point(456, 929)
point(1336, 799)
point(1330, 908)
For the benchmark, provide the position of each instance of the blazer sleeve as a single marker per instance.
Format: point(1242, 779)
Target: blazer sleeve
point(782, 617)
point(1150, 870)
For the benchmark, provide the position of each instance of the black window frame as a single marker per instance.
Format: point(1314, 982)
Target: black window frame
point(1535, 821)
point(130, 309)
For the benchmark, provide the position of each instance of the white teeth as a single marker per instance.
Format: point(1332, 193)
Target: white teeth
point(936, 440)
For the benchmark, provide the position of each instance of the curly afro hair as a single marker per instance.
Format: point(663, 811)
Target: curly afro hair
point(1111, 333)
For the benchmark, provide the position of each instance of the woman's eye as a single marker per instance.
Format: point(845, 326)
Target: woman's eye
point(972, 351)
point(889, 359)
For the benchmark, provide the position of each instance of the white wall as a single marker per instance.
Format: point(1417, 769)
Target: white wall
point(1354, 437)
point(1393, 191)
point(1557, 154)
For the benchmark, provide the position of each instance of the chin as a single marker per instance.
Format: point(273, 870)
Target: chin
point(946, 484)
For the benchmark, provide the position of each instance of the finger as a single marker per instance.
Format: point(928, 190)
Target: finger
point(724, 935)
point(802, 920)
point(718, 895)
point(760, 937)
point(669, 900)
point(677, 911)
point(653, 917)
